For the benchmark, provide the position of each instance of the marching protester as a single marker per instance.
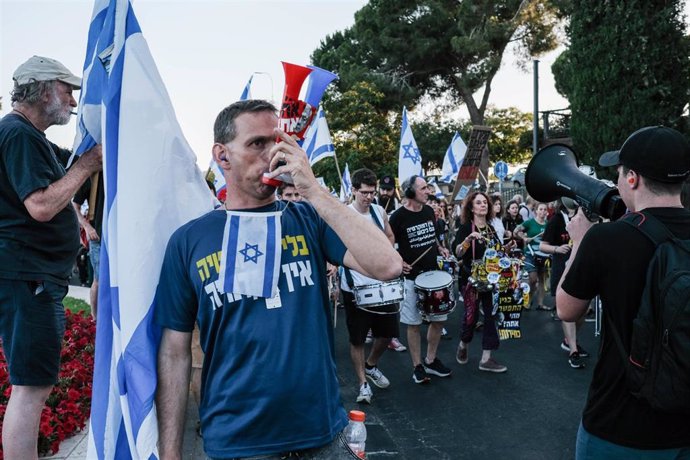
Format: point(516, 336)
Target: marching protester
point(288, 192)
point(381, 319)
point(612, 260)
point(531, 232)
point(556, 241)
point(269, 383)
point(511, 220)
point(415, 233)
point(476, 235)
point(387, 198)
point(497, 221)
point(39, 241)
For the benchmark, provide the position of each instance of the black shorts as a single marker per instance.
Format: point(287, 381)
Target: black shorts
point(32, 325)
point(359, 321)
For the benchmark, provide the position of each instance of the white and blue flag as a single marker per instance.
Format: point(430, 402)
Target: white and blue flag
point(317, 142)
point(409, 158)
point(247, 93)
point(346, 186)
point(251, 254)
point(218, 177)
point(140, 135)
point(453, 159)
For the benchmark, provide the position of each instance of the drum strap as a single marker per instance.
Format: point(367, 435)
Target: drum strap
point(379, 224)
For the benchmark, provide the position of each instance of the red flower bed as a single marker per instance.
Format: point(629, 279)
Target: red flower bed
point(69, 404)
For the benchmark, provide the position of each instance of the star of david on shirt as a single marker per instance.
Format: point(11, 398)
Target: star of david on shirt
point(246, 253)
point(411, 152)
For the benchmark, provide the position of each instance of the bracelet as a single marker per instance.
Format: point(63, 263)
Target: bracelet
point(465, 245)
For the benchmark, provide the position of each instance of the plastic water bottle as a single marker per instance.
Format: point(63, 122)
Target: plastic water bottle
point(356, 433)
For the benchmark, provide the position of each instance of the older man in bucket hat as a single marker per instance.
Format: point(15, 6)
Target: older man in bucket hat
point(39, 239)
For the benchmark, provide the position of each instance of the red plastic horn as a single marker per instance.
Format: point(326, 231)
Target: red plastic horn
point(295, 115)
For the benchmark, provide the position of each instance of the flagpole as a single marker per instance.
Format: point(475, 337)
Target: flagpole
point(340, 175)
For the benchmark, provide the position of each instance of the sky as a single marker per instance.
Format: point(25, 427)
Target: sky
point(206, 50)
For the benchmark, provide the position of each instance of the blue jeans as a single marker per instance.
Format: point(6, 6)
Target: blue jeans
point(590, 447)
point(335, 450)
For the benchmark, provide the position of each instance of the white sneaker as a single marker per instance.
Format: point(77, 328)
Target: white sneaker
point(370, 338)
point(376, 377)
point(365, 394)
point(395, 344)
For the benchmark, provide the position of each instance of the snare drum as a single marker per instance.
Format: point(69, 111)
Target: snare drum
point(370, 296)
point(435, 295)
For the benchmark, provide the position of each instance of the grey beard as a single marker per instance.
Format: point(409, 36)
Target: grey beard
point(56, 113)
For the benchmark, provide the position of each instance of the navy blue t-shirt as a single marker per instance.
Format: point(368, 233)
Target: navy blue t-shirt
point(269, 381)
point(32, 250)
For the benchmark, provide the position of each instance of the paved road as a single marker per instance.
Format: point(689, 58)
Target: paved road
point(530, 412)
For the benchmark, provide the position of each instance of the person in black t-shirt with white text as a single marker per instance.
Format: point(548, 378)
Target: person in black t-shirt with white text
point(611, 260)
point(414, 228)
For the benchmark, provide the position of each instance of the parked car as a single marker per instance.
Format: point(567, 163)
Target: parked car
point(518, 177)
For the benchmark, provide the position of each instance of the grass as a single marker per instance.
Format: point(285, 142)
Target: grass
point(76, 305)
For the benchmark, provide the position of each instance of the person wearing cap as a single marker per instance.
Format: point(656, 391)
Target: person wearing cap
point(39, 241)
point(611, 260)
point(387, 199)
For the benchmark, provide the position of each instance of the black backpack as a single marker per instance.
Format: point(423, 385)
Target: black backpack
point(658, 365)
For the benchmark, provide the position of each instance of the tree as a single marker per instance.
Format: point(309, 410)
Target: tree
point(412, 48)
point(627, 67)
point(511, 134)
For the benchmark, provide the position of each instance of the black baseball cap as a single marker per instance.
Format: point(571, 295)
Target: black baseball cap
point(387, 183)
point(656, 152)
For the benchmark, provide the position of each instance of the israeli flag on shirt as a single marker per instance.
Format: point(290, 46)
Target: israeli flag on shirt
point(409, 158)
point(453, 159)
point(246, 93)
point(251, 253)
point(346, 186)
point(318, 143)
point(127, 99)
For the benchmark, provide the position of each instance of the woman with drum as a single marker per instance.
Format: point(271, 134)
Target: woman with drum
point(531, 233)
point(475, 235)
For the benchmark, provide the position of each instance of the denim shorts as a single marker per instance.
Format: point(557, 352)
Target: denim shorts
point(95, 257)
point(32, 325)
point(335, 450)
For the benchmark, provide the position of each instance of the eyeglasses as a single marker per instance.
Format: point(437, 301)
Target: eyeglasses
point(368, 193)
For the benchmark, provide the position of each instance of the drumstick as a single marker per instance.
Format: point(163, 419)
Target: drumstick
point(423, 254)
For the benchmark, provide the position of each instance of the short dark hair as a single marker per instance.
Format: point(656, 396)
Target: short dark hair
point(283, 186)
point(363, 176)
point(224, 127)
point(656, 187)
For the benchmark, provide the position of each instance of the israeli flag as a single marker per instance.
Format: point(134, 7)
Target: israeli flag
point(318, 143)
point(437, 190)
point(453, 159)
point(346, 186)
point(251, 254)
point(218, 177)
point(409, 158)
point(246, 93)
point(139, 134)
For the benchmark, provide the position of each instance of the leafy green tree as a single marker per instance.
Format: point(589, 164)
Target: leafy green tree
point(511, 134)
point(627, 67)
point(412, 48)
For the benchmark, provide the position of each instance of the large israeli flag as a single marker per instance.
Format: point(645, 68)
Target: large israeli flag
point(152, 186)
point(453, 159)
point(346, 186)
point(247, 93)
point(409, 158)
point(317, 142)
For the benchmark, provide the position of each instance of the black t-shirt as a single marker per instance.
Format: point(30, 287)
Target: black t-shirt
point(415, 232)
point(555, 234)
point(32, 250)
point(83, 195)
point(612, 262)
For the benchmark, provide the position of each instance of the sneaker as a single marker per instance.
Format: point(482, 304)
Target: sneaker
point(492, 366)
point(581, 351)
point(365, 394)
point(370, 337)
point(437, 368)
point(445, 335)
point(461, 355)
point(395, 345)
point(419, 374)
point(545, 308)
point(575, 360)
point(554, 316)
point(376, 377)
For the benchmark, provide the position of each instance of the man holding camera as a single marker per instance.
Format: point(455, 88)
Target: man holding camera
point(611, 260)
